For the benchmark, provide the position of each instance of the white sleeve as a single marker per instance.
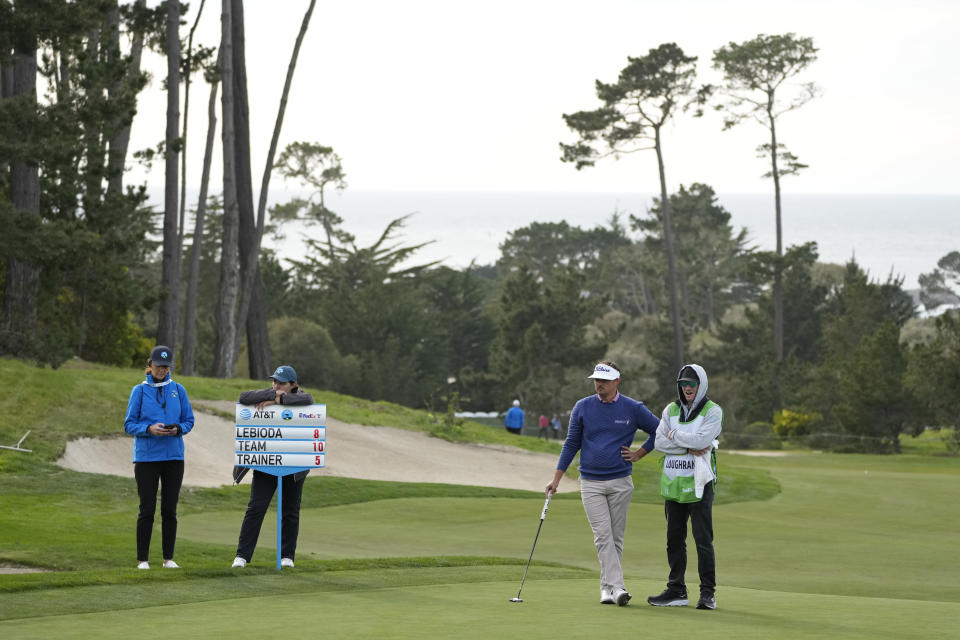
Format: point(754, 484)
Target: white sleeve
point(663, 443)
point(709, 429)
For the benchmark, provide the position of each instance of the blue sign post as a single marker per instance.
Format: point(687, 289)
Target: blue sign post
point(281, 441)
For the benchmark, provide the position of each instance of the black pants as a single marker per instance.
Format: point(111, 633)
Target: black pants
point(701, 517)
point(149, 475)
point(261, 494)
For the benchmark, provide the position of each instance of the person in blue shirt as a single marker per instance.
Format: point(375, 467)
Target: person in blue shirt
point(601, 427)
point(513, 421)
point(158, 416)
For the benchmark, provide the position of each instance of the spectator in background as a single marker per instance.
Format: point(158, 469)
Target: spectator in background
point(542, 432)
point(555, 427)
point(513, 421)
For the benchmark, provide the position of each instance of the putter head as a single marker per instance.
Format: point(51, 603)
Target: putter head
point(516, 599)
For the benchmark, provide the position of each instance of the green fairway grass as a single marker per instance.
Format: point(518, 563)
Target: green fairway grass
point(831, 531)
point(478, 607)
point(809, 545)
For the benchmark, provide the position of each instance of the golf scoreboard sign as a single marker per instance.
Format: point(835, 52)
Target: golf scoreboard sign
point(281, 439)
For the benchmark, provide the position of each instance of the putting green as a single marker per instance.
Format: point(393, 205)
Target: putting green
point(850, 547)
point(833, 529)
point(551, 609)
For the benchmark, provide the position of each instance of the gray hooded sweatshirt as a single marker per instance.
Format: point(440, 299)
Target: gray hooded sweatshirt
point(707, 431)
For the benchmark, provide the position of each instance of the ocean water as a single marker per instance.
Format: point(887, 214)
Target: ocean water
point(903, 235)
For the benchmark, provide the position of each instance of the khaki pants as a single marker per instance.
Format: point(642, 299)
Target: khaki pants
point(606, 503)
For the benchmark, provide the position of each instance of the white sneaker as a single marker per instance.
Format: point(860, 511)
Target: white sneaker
point(621, 596)
point(170, 564)
point(606, 597)
point(286, 562)
point(238, 563)
point(143, 565)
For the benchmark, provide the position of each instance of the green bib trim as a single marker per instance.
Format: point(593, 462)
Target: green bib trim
point(680, 485)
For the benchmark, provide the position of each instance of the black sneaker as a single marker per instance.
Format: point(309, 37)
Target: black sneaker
point(707, 601)
point(669, 599)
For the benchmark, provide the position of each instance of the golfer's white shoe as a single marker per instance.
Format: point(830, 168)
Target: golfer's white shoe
point(238, 563)
point(170, 564)
point(143, 565)
point(621, 596)
point(606, 597)
point(286, 562)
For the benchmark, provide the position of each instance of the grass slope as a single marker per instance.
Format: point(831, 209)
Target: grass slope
point(86, 400)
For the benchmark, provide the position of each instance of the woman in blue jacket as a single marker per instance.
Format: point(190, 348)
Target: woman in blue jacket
point(158, 416)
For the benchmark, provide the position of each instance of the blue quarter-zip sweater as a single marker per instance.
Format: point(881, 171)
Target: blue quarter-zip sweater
point(165, 402)
point(599, 429)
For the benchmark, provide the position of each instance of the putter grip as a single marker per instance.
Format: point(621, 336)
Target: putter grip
point(546, 504)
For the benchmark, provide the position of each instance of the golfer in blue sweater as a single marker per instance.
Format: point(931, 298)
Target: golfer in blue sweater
point(601, 426)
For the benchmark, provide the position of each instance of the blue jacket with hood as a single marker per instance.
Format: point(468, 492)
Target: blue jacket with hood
point(165, 402)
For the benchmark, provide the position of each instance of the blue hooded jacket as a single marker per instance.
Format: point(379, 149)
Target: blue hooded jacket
point(165, 402)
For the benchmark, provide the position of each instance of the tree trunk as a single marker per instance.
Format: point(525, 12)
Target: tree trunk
point(120, 141)
point(251, 312)
point(258, 339)
point(6, 91)
point(249, 274)
point(778, 267)
point(93, 148)
point(112, 37)
point(671, 259)
point(61, 76)
point(268, 170)
point(169, 306)
point(6, 80)
point(225, 350)
point(188, 72)
point(188, 357)
point(21, 281)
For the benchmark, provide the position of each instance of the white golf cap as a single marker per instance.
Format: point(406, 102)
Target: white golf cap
point(604, 372)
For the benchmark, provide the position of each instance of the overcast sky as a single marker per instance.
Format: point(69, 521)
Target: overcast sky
point(447, 95)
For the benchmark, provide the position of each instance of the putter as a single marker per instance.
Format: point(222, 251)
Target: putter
point(543, 515)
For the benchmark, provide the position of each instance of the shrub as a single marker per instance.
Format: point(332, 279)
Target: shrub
point(788, 424)
point(309, 349)
point(951, 438)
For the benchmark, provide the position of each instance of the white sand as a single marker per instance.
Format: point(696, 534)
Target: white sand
point(353, 451)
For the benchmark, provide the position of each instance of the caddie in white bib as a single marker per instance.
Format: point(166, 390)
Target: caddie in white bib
point(687, 436)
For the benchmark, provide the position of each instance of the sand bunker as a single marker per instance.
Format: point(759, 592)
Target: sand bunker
point(353, 451)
